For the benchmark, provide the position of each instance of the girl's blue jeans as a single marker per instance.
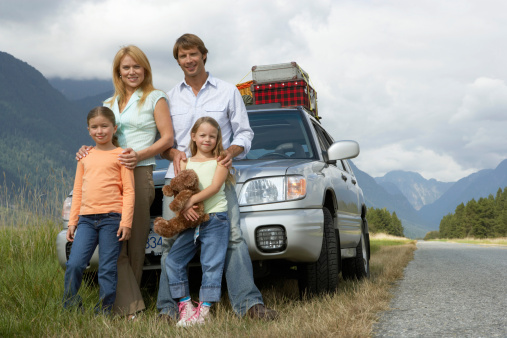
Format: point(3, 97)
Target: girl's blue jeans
point(93, 230)
point(213, 239)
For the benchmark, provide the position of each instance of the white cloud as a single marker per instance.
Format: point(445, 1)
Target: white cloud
point(424, 161)
point(404, 79)
point(485, 99)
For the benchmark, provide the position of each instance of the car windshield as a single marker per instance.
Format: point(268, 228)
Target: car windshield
point(279, 135)
point(161, 163)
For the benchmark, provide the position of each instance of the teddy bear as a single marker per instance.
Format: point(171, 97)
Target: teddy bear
point(182, 187)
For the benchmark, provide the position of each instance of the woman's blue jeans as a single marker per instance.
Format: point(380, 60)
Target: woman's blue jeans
point(213, 239)
point(93, 230)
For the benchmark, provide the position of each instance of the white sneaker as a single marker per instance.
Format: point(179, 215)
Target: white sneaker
point(186, 310)
point(200, 316)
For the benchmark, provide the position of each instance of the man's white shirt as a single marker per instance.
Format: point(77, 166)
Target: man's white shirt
point(217, 99)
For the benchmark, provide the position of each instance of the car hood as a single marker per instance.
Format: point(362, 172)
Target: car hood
point(248, 169)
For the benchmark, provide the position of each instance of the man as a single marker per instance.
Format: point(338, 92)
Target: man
point(200, 94)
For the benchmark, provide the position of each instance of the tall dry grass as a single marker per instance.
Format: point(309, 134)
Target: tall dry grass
point(31, 287)
point(34, 200)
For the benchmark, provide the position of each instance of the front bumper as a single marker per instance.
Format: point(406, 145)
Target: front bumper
point(153, 251)
point(303, 230)
point(63, 251)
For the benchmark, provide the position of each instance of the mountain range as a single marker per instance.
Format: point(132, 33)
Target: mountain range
point(43, 123)
point(40, 130)
point(404, 192)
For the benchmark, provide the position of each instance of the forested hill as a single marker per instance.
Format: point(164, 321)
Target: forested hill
point(378, 197)
point(480, 184)
point(485, 218)
point(40, 129)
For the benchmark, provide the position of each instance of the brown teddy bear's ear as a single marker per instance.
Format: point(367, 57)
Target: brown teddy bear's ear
point(166, 190)
point(190, 178)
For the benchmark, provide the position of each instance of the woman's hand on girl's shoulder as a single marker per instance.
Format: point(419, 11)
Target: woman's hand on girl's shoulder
point(123, 233)
point(82, 152)
point(129, 158)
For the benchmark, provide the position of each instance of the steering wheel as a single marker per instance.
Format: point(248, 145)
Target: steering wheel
point(274, 154)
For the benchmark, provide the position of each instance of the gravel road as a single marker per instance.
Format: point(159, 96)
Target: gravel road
point(450, 290)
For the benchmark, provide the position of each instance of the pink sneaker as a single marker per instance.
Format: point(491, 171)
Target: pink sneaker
point(200, 316)
point(186, 310)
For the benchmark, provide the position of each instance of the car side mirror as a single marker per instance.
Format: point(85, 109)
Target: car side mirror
point(341, 150)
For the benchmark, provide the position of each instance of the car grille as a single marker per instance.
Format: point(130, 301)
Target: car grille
point(156, 206)
point(68, 246)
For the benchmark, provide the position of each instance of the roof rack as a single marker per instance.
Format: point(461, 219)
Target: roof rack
point(264, 106)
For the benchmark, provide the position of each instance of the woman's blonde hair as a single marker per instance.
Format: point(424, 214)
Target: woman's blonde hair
point(119, 87)
point(219, 147)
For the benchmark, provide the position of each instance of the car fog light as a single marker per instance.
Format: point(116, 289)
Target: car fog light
point(271, 238)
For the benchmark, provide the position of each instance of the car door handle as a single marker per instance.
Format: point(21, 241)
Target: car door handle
point(344, 178)
point(354, 181)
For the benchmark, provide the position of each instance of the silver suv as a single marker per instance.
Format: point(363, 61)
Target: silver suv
point(302, 210)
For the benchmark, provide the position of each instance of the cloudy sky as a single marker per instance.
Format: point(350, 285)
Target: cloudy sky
point(421, 85)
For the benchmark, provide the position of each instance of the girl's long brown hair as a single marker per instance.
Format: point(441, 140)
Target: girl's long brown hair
point(108, 114)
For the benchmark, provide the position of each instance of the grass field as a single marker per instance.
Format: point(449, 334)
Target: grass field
point(31, 288)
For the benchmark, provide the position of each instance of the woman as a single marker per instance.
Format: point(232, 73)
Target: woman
point(140, 112)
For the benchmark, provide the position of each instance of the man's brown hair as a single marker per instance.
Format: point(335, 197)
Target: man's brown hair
point(187, 41)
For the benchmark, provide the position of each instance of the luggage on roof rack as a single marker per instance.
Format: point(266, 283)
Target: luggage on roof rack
point(284, 83)
point(278, 72)
point(288, 93)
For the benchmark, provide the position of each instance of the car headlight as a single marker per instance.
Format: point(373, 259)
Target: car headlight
point(272, 189)
point(66, 208)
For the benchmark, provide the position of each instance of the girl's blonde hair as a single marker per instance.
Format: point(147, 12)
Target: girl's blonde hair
point(108, 114)
point(219, 147)
point(119, 87)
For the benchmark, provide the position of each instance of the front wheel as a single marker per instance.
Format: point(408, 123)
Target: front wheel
point(322, 276)
point(359, 266)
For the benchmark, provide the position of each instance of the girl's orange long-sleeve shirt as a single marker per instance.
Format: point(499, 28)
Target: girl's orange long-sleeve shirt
point(102, 185)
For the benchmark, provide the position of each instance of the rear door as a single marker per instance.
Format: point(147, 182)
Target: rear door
point(347, 220)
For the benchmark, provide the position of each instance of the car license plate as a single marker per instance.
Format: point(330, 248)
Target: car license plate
point(154, 244)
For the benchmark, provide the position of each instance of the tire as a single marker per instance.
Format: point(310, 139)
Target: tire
point(322, 276)
point(359, 266)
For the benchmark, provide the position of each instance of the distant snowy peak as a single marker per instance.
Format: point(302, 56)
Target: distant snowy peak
point(418, 190)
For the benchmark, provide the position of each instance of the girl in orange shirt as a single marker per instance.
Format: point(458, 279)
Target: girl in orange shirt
point(101, 212)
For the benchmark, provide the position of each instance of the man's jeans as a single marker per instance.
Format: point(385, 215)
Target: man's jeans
point(213, 238)
point(98, 229)
point(242, 291)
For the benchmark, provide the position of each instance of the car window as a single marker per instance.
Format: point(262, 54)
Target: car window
point(347, 167)
point(279, 135)
point(325, 142)
point(327, 136)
